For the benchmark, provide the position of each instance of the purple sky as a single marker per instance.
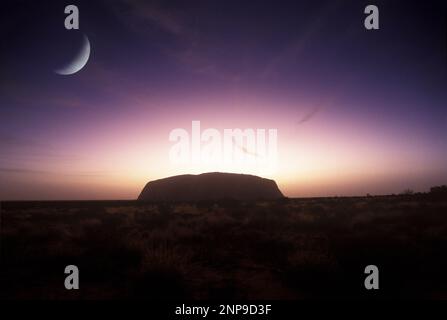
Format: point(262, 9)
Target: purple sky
point(356, 111)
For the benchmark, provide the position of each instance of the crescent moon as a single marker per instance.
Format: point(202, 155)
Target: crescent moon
point(79, 61)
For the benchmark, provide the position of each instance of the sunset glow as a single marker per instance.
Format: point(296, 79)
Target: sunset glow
point(351, 119)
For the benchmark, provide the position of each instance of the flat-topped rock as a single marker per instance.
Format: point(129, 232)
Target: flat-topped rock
point(211, 186)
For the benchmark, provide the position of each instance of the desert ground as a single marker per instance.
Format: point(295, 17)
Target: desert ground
point(285, 249)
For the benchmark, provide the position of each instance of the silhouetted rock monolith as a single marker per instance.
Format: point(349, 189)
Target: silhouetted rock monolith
point(211, 186)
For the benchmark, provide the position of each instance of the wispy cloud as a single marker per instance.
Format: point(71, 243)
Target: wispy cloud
point(186, 43)
point(8, 140)
point(137, 14)
point(294, 48)
point(310, 114)
point(29, 153)
point(19, 170)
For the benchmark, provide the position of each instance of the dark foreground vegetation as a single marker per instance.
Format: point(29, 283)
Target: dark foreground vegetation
point(288, 249)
